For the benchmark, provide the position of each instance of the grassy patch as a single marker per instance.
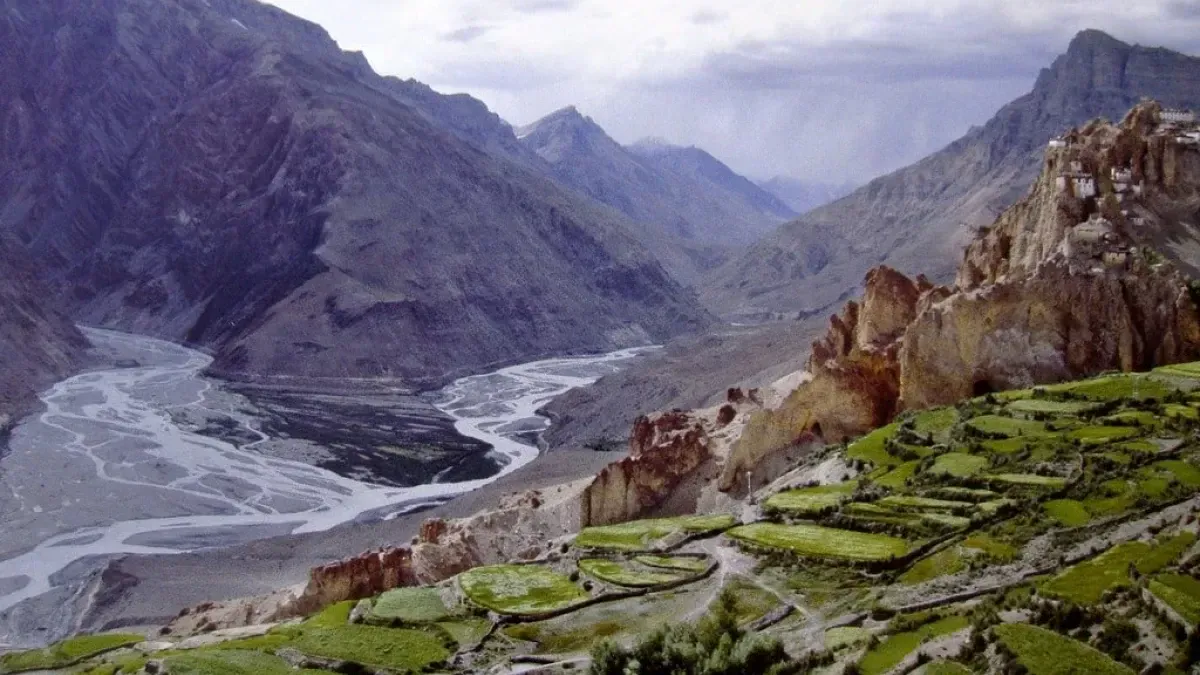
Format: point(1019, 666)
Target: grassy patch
point(887, 654)
point(822, 542)
point(413, 605)
point(845, 636)
point(1029, 480)
point(1041, 405)
point(520, 589)
point(943, 668)
point(1045, 652)
point(1006, 446)
point(466, 632)
point(396, 648)
point(65, 653)
point(642, 535)
point(958, 464)
point(1068, 512)
point(924, 504)
point(681, 563)
point(871, 448)
point(937, 423)
point(1010, 427)
point(945, 562)
point(1101, 435)
point(227, 662)
point(335, 615)
point(897, 478)
point(1114, 387)
point(1166, 549)
point(1181, 593)
point(623, 574)
point(991, 547)
point(1188, 370)
point(1184, 472)
point(1086, 582)
point(811, 499)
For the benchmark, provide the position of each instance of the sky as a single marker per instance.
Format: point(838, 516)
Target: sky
point(821, 90)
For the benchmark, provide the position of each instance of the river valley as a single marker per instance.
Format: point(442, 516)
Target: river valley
point(120, 462)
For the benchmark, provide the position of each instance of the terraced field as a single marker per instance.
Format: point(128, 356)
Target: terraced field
point(1051, 530)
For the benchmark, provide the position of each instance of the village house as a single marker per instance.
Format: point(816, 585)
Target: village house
point(1177, 116)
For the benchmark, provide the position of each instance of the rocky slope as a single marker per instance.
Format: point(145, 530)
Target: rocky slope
point(691, 206)
point(39, 346)
point(919, 218)
point(221, 173)
point(1066, 283)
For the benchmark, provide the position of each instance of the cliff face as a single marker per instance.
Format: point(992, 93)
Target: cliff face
point(918, 219)
point(38, 346)
point(1067, 283)
point(220, 172)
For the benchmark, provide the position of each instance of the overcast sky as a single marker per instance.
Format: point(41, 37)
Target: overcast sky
point(823, 90)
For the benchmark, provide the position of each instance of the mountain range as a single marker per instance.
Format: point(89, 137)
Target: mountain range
point(219, 172)
point(693, 209)
point(918, 219)
point(804, 196)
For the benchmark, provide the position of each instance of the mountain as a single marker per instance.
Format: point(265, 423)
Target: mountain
point(804, 196)
point(39, 345)
point(691, 206)
point(219, 172)
point(919, 218)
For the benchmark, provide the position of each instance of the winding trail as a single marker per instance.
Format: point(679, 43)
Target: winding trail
point(105, 470)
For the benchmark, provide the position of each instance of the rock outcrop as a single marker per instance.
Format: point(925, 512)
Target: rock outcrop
point(920, 218)
point(1069, 282)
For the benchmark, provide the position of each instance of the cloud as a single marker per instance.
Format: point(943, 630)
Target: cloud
point(466, 34)
point(820, 89)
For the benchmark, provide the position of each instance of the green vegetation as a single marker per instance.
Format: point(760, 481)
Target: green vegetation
point(811, 499)
point(227, 662)
point(822, 542)
point(412, 605)
point(936, 423)
point(402, 649)
point(889, 653)
point(845, 636)
point(1086, 583)
point(1068, 512)
point(1028, 479)
point(1033, 405)
point(681, 563)
point(872, 448)
point(997, 550)
point(624, 574)
point(643, 535)
point(1181, 593)
point(1045, 652)
point(897, 478)
point(714, 646)
point(466, 632)
point(924, 504)
point(945, 562)
point(944, 668)
point(520, 589)
point(337, 614)
point(959, 464)
point(65, 653)
point(1007, 426)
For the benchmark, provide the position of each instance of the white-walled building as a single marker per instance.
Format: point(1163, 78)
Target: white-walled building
point(1085, 186)
point(1122, 175)
point(1058, 143)
point(1178, 116)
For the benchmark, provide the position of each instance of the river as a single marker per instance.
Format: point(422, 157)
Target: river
point(107, 470)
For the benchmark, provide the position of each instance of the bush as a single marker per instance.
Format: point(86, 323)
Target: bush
point(713, 646)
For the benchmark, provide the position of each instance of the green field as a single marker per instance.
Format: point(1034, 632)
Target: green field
point(958, 464)
point(1029, 479)
point(945, 562)
point(1181, 593)
point(936, 423)
point(413, 605)
point(924, 504)
point(227, 662)
point(1113, 387)
point(898, 477)
point(1044, 652)
point(1041, 405)
point(1010, 427)
point(845, 636)
point(943, 668)
point(822, 542)
point(680, 563)
point(889, 653)
point(871, 448)
point(1085, 583)
point(395, 648)
point(811, 499)
point(65, 653)
point(990, 547)
point(520, 589)
point(1067, 512)
point(1102, 435)
point(627, 574)
point(644, 535)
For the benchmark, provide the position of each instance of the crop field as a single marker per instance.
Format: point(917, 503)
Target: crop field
point(65, 653)
point(227, 662)
point(892, 650)
point(415, 605)
point(822, 542)
point(811, 499)
point(1044, 652)
point(632, 575)
point(870, 448)
point(644, 535)
point(1029, 480)
point(959, 464)
point(1068, 512)
point(520, 589)
point(681, 563)
point(1181, 593)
